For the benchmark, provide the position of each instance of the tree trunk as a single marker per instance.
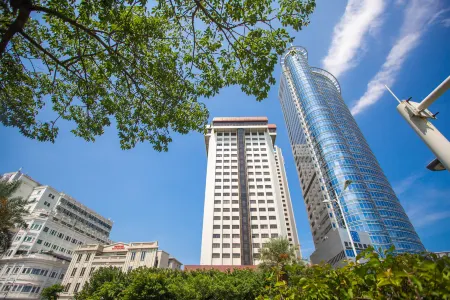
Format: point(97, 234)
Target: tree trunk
point(24, 8)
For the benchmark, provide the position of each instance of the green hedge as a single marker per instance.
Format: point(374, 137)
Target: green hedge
point(395, 277)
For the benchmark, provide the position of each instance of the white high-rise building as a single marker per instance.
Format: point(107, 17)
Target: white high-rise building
point(40, 254)
point(247, 199)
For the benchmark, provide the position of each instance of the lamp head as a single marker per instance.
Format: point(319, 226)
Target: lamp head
point(347, 183)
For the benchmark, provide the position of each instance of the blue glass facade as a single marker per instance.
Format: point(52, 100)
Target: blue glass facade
point(320, 124)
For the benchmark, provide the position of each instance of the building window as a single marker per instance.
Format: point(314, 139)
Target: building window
point(226, 255)
point(74, 271)
point(216, 236)
point(235, 226)
point(255, 245)
point(143, 253)
point(67, 287)
point(273, 226)
point(82, 271)
point(236, 236)
point(77, 286)
point(216, 245)
point(92, 270)
point(79, 257)
point(226, 245)
point(216, 255)
point(236, 245)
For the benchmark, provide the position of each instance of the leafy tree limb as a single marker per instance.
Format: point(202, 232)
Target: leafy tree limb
point(140, 66)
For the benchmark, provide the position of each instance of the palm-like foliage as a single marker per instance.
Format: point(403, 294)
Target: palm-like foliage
point(277, 253)
point(12, 210)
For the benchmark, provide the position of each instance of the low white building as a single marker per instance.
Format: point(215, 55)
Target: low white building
point(40, 254)
point(88, 258)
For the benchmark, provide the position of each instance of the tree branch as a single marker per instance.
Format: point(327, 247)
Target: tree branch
point(16, 26)
point(54, 58)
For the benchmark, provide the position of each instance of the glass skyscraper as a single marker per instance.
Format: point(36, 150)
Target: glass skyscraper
point(329, 149)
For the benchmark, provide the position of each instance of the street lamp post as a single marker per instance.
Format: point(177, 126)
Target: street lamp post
point(346, 184)
point(417, 116)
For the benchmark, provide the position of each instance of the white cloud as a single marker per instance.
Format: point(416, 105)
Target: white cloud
point(418, 14)
point(407, 183)
point(430, 218)
point(446, 22)
point(438, 17)
point(360, 18)
point(425, 202)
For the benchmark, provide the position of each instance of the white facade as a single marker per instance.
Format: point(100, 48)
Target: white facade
point(88, 258)
point(286, 202)
point(40, 254)
point(244, 206)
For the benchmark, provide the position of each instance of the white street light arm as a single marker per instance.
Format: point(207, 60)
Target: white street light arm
point(345, 222)
point(435, 94)
point(346, 184)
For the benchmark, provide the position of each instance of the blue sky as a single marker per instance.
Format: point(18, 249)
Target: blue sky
point(159, 196)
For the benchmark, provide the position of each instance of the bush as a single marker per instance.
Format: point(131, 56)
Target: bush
point(151, 283)
point(406, 276)
point(51, 292)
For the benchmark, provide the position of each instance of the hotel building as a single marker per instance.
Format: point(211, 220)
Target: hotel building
point(247, 198)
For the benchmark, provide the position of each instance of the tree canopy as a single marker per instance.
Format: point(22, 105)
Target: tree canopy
point(277, 253)
point(12, 210)
point(139, 65)
point(52, 292)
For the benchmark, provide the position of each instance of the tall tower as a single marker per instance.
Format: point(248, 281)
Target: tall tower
point(329, 149)
point(247, 199)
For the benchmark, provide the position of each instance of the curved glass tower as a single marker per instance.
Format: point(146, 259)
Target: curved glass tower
point(329, 149)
